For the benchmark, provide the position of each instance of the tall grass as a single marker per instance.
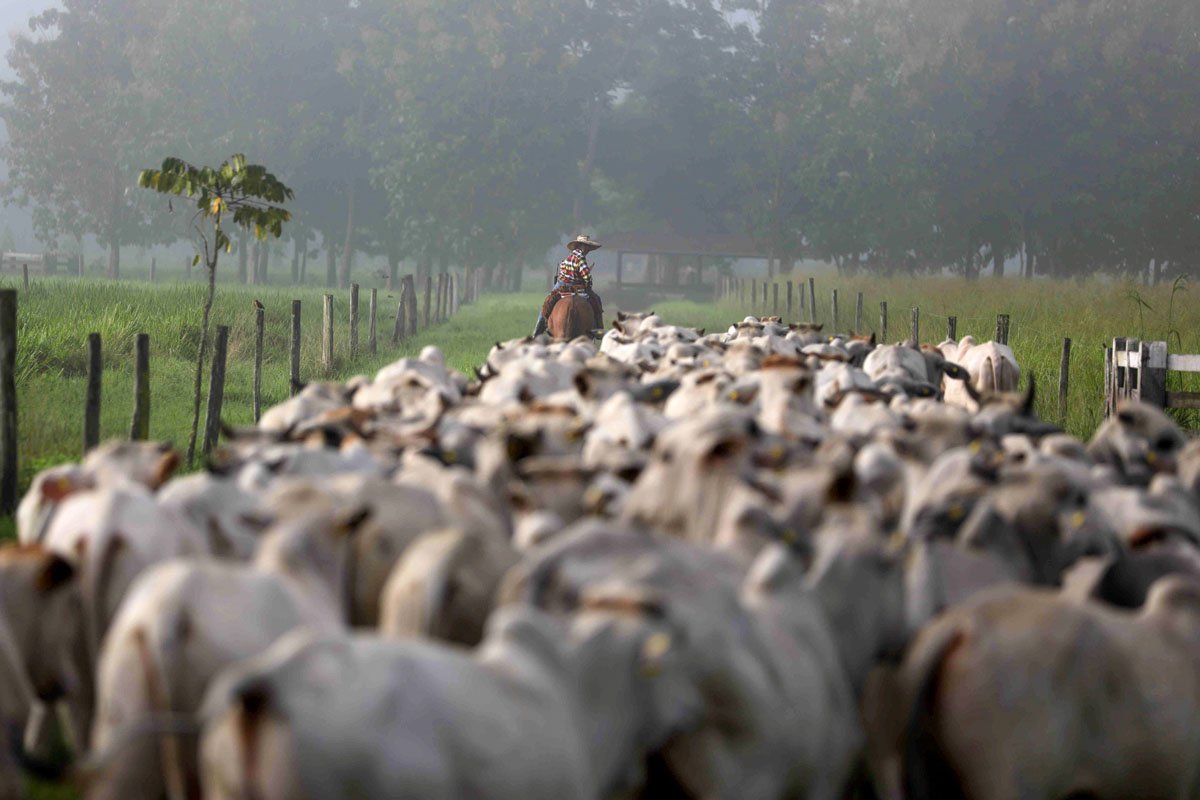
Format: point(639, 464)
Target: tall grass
point(56, 315)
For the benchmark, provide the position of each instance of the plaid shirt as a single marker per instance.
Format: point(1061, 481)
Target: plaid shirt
point(575, 270)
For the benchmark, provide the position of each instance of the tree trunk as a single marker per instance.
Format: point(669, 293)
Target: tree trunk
point(200, 357)
point(255, 261)
point(589, 159)
point(997, 261)
point(393, 259)
point(330, 266)
point(348, 244)
point(265, 264)
point(114, 258)
point(304, 262)
point(243, 255)
point(114, 226)
point(295, 259)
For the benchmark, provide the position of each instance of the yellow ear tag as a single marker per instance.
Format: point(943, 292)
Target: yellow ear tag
point(975, 447)
point(450, 456)
point(653, 650)
point(1151, 458)
point(956, 513)
point(790, 536)
point(1077, 519)
point(657, 393)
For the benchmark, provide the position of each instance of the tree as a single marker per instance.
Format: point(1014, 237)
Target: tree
point(78, 119)
point(246, 195)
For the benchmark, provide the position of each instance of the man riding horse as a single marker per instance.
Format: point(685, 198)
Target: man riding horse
point(574, 277)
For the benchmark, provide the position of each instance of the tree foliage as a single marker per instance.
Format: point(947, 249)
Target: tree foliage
point(246, 195)
point(882, 134)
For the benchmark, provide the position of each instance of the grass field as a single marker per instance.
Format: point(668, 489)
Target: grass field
point(56, 316)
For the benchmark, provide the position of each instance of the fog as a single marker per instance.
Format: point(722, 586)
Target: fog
point(1039, 138)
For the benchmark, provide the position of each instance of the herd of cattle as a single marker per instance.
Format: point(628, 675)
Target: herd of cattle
point(762, 563)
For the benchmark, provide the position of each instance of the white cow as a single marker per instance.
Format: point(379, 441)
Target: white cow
point(182, 623)
point(540, 711)
point(992, 367)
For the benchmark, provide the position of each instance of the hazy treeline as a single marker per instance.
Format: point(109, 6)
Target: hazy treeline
point(889, 135)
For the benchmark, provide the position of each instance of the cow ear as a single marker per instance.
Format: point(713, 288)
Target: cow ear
point(722, 450)
point(167, 463)
point(517, 446)
point(621, 598)
point(54, 572)
point(62, 488)
point(583, 384)
point(350, 523)
point(871, 341)
point(955, 371)
point(841, 488)
point(1027, 404)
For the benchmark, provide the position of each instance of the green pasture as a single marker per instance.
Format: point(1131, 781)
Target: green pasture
point(56, 315)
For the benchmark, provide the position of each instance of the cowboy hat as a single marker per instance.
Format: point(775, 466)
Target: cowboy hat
point(583, 241)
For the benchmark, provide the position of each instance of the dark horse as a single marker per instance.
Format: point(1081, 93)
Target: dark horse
point(571, 317)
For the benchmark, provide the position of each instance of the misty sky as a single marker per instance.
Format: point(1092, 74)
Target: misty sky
point(14, 16)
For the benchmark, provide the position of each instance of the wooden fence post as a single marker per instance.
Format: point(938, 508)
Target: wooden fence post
point(259, 325)
point(451, 295)
point(775, 299)
point(812, 300)
point(915, 332)
point(789, 300)
point(764, 297)
point(401, 326)
point(25, 277)
point(372, 311)
point(1002, 328)
point(91, 408)
point(443, 312)
point(801, 291)
point(353, 320)
point(411, 316)
point(1108, 381)
point(139, 429)
point(1064, 376)
point(294, 377)
point(883, 337)
point(952, 328)
point(216, 391)
point(833, 307)
point(428, 300)
point(8, 401)
point(753, 292)
point(327, 335)
point(1152, 376)
point(858, 314)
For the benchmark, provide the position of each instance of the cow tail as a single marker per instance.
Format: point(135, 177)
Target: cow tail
point(253, 703)
point(170, 752)
point(926, 774)
point(94, 584)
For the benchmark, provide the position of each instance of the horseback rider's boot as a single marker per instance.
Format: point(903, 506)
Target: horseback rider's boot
point(540, 328)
